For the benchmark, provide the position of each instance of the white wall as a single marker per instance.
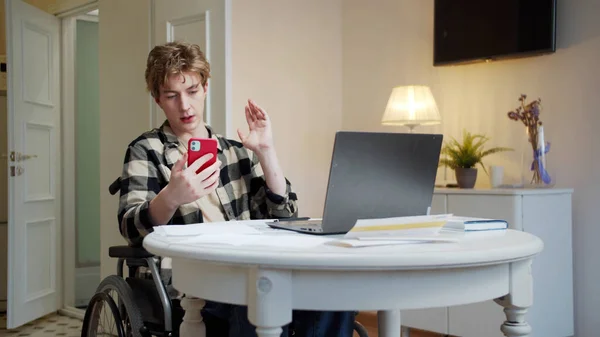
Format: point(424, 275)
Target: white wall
point(389, 43)
point(124, 103)
point(286, 56)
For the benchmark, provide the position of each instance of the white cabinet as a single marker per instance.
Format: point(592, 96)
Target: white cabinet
point(545, 213)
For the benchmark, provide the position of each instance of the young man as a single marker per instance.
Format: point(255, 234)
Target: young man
point(246, 181)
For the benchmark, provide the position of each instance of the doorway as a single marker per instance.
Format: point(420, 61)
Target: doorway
point(81, 132)
point(87, 159)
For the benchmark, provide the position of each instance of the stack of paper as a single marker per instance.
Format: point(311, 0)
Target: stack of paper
point(427, 225)
point(414, 229)
point(396, 231)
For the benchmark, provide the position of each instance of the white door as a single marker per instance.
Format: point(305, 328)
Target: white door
point(32, 48)
point(205, 23)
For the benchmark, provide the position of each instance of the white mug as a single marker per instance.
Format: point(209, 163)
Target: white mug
point(496, 175)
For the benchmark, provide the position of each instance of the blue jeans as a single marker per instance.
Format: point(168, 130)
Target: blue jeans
point(304, 323)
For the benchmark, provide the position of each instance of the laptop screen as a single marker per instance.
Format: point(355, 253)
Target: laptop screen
point(379, 175)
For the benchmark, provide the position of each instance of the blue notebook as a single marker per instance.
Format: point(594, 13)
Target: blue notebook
point(467, 224)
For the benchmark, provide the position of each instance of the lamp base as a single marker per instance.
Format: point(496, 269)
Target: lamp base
point(411, 127)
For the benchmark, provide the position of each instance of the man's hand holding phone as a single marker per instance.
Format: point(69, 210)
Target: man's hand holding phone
point(186, 185)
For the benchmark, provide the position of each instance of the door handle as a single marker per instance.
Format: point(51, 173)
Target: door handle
point(23, 157)
point(18, 156)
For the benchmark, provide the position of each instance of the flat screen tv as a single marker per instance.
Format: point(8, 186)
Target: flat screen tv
point(468, 31)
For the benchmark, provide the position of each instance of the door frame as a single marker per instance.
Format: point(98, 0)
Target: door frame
point(69, 233)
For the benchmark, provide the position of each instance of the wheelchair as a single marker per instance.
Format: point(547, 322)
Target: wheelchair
point(138, 305)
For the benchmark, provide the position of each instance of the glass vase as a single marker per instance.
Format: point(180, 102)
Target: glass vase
point(538, 173)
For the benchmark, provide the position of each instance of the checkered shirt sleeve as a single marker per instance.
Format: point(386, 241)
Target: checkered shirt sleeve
point(242, 190)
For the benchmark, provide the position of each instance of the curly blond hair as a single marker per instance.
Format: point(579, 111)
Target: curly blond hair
point(174, 58)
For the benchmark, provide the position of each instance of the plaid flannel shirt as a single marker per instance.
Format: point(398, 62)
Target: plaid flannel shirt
point(242, 188)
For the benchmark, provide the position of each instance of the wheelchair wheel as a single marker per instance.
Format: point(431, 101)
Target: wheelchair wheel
point(129, 318)
point(100, 318)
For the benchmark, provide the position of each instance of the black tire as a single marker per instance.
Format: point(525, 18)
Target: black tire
point(360, 329)
point(92, 316)
point(130, 312)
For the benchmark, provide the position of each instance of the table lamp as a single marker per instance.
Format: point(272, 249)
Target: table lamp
point(411, 106)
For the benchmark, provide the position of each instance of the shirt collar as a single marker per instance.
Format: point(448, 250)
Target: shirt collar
point(173, 141)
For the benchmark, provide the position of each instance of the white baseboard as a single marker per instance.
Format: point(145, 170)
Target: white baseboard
point(87, 280)
point(72, 312)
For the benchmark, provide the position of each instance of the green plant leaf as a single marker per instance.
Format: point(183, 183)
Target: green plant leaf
point(469, 153)
point(495, 150)
point(447, 162)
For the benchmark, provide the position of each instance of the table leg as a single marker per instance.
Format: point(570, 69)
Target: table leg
point(515, 324)
point(268, 332)
point(269, 301)
point(518, 300)
point(192, 324)
point(388, 323)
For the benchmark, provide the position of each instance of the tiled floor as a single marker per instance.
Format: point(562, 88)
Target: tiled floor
point(63, 326)
point(49, 326)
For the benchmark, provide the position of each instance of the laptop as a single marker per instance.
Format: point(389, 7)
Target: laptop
point(374, 175)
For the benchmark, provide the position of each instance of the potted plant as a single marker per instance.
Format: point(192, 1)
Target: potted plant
point(463, 158)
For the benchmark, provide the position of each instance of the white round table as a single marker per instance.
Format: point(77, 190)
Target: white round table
point(272, 281)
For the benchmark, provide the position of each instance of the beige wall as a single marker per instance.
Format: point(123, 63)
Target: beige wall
point(389, 42)
point(285, 56)
point(124, 103)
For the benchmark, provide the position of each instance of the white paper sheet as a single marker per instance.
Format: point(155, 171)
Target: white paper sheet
point(205, 229)
point(221, 239)
point(278, 241)
point(371, 242)
point(292, 241)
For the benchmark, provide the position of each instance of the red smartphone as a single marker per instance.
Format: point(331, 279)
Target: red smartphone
point(198, 147)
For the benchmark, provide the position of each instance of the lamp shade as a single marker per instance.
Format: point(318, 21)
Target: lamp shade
point(411, 106)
